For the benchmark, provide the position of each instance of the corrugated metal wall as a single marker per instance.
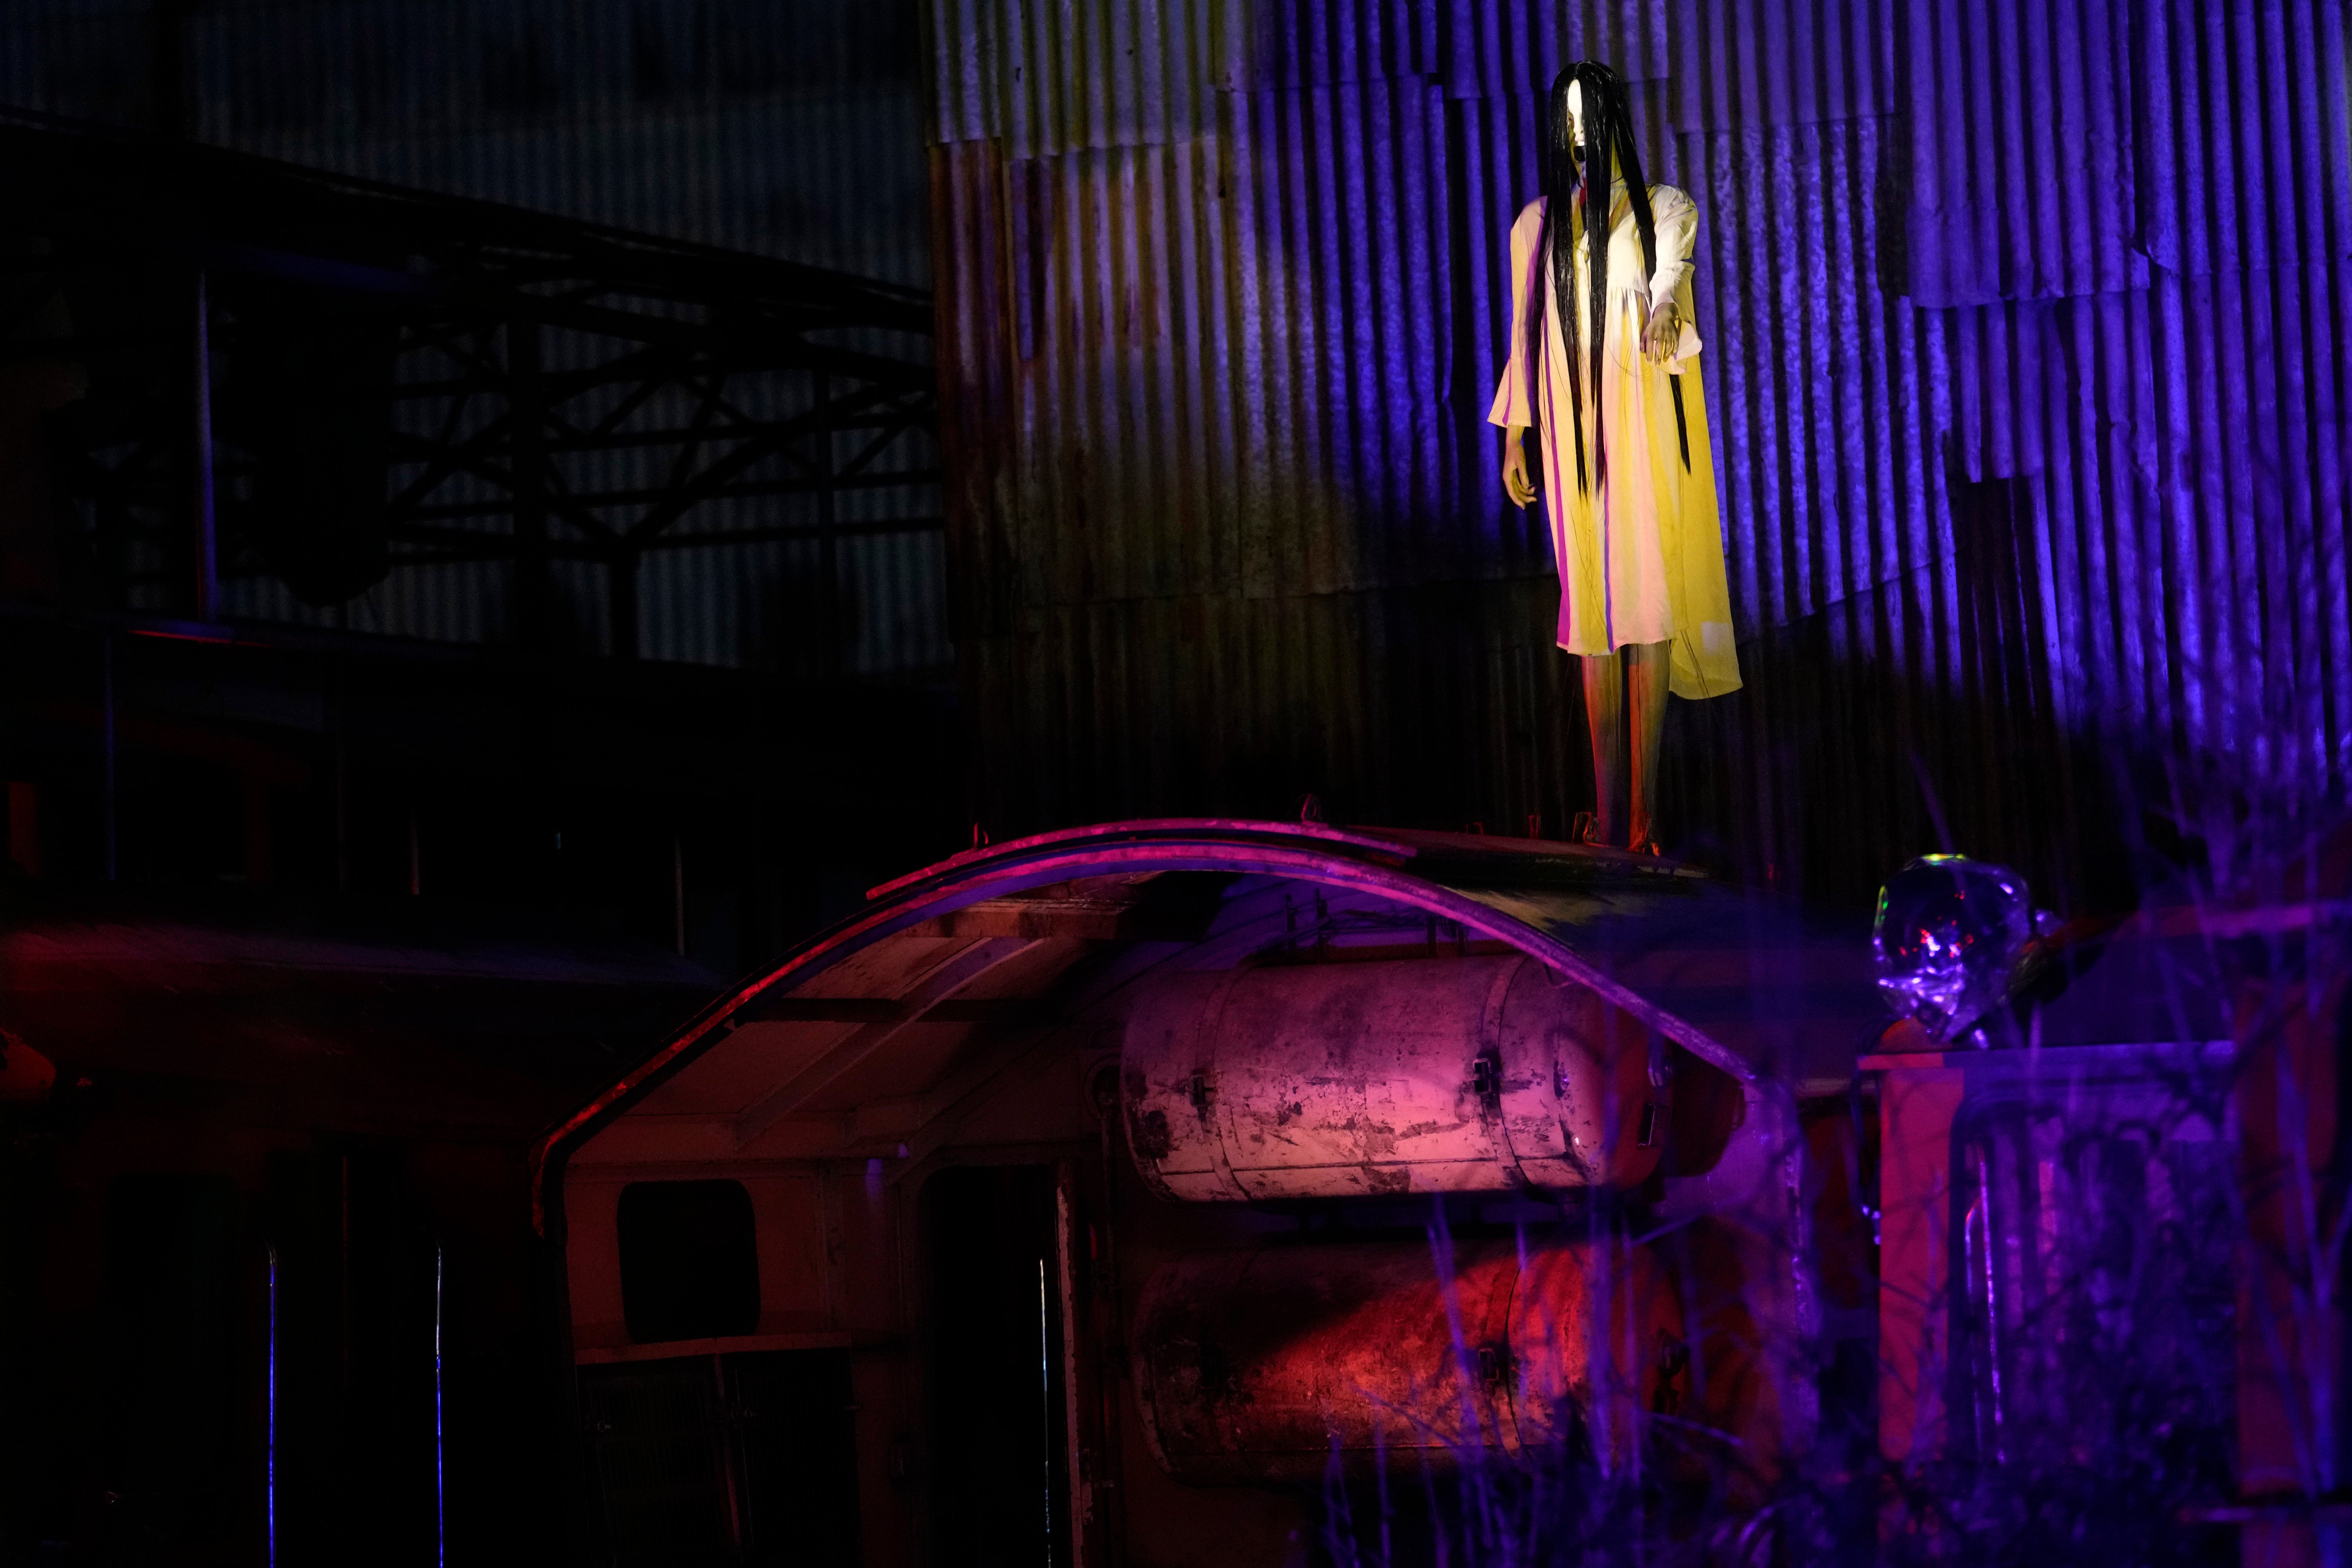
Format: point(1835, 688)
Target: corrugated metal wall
point(793, 131)
point(2023, 326)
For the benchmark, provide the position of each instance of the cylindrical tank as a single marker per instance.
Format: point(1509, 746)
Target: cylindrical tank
point(1262, 1365)
point(1443, 1075)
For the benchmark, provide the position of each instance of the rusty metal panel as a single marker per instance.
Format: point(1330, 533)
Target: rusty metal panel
point(1373, 1079)
point(1274, 1364)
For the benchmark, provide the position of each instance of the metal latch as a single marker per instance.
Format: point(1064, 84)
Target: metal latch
point(1486, 1080)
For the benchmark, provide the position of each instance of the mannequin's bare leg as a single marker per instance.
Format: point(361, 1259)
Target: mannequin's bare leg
point(1625, 740)
point(1650, 666)
point(1604, 720)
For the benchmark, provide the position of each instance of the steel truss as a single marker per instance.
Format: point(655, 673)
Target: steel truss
point(257, 342)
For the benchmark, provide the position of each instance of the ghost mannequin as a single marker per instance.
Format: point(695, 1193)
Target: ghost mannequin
point(1604, 364)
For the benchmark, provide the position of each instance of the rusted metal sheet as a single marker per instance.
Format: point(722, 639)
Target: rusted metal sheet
point(1345, 1080)
point(1270, 1365)
point(2025, 382)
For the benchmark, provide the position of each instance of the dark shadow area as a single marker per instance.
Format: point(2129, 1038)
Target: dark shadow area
point(744, 1459)
point(997, 1466)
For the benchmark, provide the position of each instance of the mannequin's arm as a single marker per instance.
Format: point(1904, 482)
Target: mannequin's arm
point(1678, 232)
point(1662, 332)
point(1516, 481)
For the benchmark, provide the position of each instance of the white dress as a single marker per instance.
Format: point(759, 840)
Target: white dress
point(1641, 560)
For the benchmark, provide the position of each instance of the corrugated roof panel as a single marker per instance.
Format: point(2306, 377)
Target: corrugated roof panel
point(2244, 138)
point(1780, 62)
point(1318, 43)
point(1503, 48)
point(2022, 173)
point(1824, 410)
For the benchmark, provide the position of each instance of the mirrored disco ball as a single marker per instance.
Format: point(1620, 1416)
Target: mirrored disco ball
point(1950, 932)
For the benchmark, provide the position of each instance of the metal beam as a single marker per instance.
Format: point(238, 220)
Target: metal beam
point(647, 357)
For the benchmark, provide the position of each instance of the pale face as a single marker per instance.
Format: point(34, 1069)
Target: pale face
point(1576, 125)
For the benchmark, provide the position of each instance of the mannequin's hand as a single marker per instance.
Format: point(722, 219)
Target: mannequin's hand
point(1664, 332)
point(1516, 483)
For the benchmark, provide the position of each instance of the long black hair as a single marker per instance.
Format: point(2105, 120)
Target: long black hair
point(1608, 128)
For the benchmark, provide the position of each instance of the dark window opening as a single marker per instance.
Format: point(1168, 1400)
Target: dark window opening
point(999, 1429)
point(690, 1261)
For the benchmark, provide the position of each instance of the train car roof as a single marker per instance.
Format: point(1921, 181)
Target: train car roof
point(949, 975)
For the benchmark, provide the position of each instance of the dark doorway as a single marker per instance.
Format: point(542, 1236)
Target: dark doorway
point(746, 1459)
point(355, 1326)
point(999, 1431)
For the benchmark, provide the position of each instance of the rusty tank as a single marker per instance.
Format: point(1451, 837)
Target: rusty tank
point(1352, 1079)
point(1264, 1365)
